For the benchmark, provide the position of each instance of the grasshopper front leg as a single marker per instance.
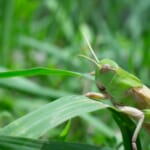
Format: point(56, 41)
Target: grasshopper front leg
point(133, 112)
point(95, 95)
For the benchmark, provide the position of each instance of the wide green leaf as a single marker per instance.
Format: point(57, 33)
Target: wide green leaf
point(38, 122)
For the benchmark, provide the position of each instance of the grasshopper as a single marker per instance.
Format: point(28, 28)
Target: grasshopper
point(122, 88)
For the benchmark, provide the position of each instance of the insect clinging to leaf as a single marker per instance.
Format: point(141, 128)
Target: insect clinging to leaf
point(122, 87)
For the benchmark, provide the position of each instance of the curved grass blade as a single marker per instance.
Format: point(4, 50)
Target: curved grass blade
point(38, 71)
point(25, 85)
point(37, 123)
point(42, 71)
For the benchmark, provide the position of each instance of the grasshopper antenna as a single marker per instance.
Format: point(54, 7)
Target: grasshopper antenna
point(89, 45)
point(90, 59)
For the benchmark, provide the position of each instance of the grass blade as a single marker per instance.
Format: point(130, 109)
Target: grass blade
point(42, 71)
point(27, 86)
point(37, 71)
point(37, 123)
point(13, 143)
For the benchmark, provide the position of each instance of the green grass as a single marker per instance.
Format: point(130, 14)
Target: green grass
point(40, 42)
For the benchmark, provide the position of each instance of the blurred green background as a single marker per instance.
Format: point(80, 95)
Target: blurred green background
point(47, 33)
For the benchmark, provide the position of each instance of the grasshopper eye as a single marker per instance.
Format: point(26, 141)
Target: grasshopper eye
point(108, 65)
point(106, 68)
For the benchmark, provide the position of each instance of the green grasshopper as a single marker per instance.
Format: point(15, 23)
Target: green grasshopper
point(122, 88)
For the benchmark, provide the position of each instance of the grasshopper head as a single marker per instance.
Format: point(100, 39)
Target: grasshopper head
point(105, 72)
point(106, 68)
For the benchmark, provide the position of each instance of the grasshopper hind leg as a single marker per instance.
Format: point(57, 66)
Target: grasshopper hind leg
point(133, 112)
point(136, 132)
